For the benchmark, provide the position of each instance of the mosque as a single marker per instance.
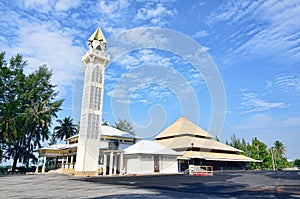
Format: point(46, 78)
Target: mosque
point(100, 149)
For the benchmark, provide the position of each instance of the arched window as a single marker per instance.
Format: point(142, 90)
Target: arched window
point(97, 75)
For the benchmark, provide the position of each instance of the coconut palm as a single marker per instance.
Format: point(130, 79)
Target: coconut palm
point(279, 148)
point(8, 122)
point(65, 129)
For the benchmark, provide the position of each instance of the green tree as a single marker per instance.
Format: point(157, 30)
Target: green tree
point(239, 144)
point(124, 125)
point(65, 129)
point(28, 106)
point(217, 138)
point(11, 84)
point(297, 163)
point(279, 150)
point(53, 139)
point(258, 150)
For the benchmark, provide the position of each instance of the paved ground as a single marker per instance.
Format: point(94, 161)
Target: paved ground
point(247, 184)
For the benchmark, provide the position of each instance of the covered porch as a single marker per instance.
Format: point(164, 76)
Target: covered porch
point(61, 158)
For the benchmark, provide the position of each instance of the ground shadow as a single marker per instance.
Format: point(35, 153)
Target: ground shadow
point(183, 186)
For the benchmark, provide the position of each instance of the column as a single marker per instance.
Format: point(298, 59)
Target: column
point(55, 163)
point(121, 163)
point(67, 161)
point(44, 165)
point(111, 160)
point(115, 163)
point(62, 162)
point(37, 165)
point(104, 163)
point(71, 163)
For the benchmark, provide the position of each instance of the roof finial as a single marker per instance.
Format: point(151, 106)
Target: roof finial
point(99, 21)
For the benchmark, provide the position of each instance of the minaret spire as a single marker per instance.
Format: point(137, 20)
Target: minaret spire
point(99, 21)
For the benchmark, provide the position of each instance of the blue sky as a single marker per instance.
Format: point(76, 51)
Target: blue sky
point(249, 55)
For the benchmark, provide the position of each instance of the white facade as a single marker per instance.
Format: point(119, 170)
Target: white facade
point(145, 164)
point(111, 145)
point(169, 164)
point(148, 157)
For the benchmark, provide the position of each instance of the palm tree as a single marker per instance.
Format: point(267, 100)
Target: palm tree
point(279, 148)
point(8, 122)
point(65, 129)
point(277, 151)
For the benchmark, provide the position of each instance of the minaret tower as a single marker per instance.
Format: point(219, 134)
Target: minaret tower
point(95, 60)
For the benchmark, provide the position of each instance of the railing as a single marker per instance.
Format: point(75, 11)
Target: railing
point(201, 170)
point(96, 52)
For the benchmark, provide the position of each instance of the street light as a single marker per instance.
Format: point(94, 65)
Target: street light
point(192, 145)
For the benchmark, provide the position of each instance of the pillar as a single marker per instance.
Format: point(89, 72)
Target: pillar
point(37, 166)
point(104, 163)
point(71, 163)
point(62, 162)
point(121, 163)
point(115, 163)
point(111, 161)
point(44, 165)
point(67, 161)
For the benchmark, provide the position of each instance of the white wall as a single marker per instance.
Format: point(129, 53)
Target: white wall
point(133, 164)
point(144, 164)
point(103, 144)
point(168, 164)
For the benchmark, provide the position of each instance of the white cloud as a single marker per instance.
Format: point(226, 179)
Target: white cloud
point(38, 5)
point(201, 33)
point(63, 5)
point(44, 42)
point(154, 12)
point(261, 26)
point(148, 76)
point(151, 11)
point(150, 82)
point(252, 103)
point(264, 121)
point(286, 83)
point(114, 10)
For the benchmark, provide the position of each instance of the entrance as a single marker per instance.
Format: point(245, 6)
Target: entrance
point(156, 163)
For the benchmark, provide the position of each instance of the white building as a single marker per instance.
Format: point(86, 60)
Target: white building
point(62, 157)
point(148, 157)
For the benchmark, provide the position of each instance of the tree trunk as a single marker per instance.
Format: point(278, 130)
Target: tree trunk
point(15, 161)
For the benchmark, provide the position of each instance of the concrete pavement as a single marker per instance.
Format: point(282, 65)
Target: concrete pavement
point(281, 184)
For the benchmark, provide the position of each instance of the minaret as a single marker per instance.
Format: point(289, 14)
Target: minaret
point(95, 60)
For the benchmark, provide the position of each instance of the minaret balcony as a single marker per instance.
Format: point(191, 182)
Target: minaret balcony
point(96, 54)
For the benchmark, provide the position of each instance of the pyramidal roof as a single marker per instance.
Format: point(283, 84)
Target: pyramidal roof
point(183, 126)
point(150, 147)
point(97, 35)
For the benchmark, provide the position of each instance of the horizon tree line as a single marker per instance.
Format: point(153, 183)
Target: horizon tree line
point(272, 158)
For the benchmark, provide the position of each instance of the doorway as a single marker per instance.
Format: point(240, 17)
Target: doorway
point(156, 163)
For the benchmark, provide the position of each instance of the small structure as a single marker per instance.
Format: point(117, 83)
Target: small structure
point(148, 157)
point(62, 157)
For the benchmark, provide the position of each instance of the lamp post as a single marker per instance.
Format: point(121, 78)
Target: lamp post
point(192, 145)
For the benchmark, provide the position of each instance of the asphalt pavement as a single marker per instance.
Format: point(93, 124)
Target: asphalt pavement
point(244, 184)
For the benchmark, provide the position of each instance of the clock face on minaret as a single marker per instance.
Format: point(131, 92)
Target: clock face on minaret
point(95, 61)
